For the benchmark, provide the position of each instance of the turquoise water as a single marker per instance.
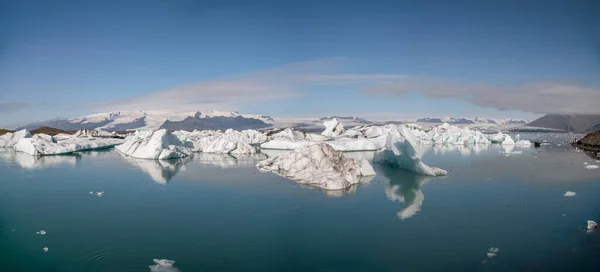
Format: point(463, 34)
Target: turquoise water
point(219, 213)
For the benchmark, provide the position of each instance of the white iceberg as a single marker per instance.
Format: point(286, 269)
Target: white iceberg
point(591, 225)
point(10, 139)
point(318, 165)
point(163, 265)
point(402, 151)
point(231, 141)
point(508, 141)
point(43, 145)
point(591, 166)
point(159, 144)
point(570, 193)
point(333, 128)
point(353, 145)
point(285, 144)
point(523, 144)
point(497, 138)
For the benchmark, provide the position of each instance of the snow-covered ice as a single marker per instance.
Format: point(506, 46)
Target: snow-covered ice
point(163, 265)
point(160, 144)
point(45, 249)
point(570, 193)
point(523, 144)
point(402, 150)
point(10, 139)
point(43, 145)
point(318, 165)
point(591, 225)
point(333, 128)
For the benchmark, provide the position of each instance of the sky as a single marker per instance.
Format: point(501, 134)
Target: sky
point(379, 60)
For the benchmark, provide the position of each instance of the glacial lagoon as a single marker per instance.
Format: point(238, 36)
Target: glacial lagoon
point(217, 212)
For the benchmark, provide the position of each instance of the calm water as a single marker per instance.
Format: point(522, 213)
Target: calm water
point(218, 213)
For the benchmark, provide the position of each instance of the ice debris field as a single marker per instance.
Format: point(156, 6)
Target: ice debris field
point(318, 160)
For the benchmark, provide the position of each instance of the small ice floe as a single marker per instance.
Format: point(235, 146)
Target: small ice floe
point(564, 215)
point(570, 193)
point(100, 194)
point(493, 251)
point(591, 166)
point(41, 232)
point(591, 225)
point(585, 163)
point(163, 265)
point(91, 192)
point(45, 249)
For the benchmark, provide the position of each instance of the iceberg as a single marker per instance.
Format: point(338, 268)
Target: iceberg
point(333, 128)
point(231, 141)
point(318, 165)
point(353, 145)
point(229, 160)
point(163, 265)
point(10, 139)
point(402, 151)
point(523, 144)
point(43, 145)
point(591, 225)
point(159, 144)
point(508, 140)
point(570, 193)
point(285, 144)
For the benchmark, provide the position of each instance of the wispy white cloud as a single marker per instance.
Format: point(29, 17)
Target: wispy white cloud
point(229, 92)
point(537, 97)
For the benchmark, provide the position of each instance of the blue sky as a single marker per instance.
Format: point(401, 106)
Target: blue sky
point(376, 59)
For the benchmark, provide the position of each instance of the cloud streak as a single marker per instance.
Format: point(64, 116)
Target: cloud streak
point(11, 107)
point(537, 97)
point(229, 92)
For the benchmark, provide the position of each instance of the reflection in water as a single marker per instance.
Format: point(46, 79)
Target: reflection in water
point(229, 161)
point(27, 161)
point(405, 187)
point(160, 171)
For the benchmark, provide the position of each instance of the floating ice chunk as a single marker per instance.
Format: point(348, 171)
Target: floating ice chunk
point(497, 138)
point(333, 128)
point(10, 139)
point(491, 254)
point(570, 193)
point(402, 150)
point(318, 165)
point(45, 249)
point(591, 225)
point(163, 265)
point(523, 144)
point(41, 232)
point(159, 144)
point(591, 166)
point(100, 194)
point(91, 192)
point(585, 163)
point(508, 141)
point(493, 249)
point(288, 134)
point(42, 145)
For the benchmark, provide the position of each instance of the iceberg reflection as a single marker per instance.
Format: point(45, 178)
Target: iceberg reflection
point(27, 161)
point(405, 187)
point(464, 150)
point(160, 171)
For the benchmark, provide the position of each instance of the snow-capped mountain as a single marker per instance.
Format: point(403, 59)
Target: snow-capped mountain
point(476, 120)
point(129, 120)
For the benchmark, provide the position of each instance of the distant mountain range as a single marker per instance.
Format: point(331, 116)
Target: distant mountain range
point(200, 120)
point(476, 120)
point(123, 120)
point(574, 123)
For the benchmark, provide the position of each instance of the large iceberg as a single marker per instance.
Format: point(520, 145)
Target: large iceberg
point(231, 141)
point(402, 150)
point(43, 145)
point(10, 139)
point(333, 128)
point(318, 165)
point(160, 144)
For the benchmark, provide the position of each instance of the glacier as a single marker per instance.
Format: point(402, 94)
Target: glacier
point(318, 165)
